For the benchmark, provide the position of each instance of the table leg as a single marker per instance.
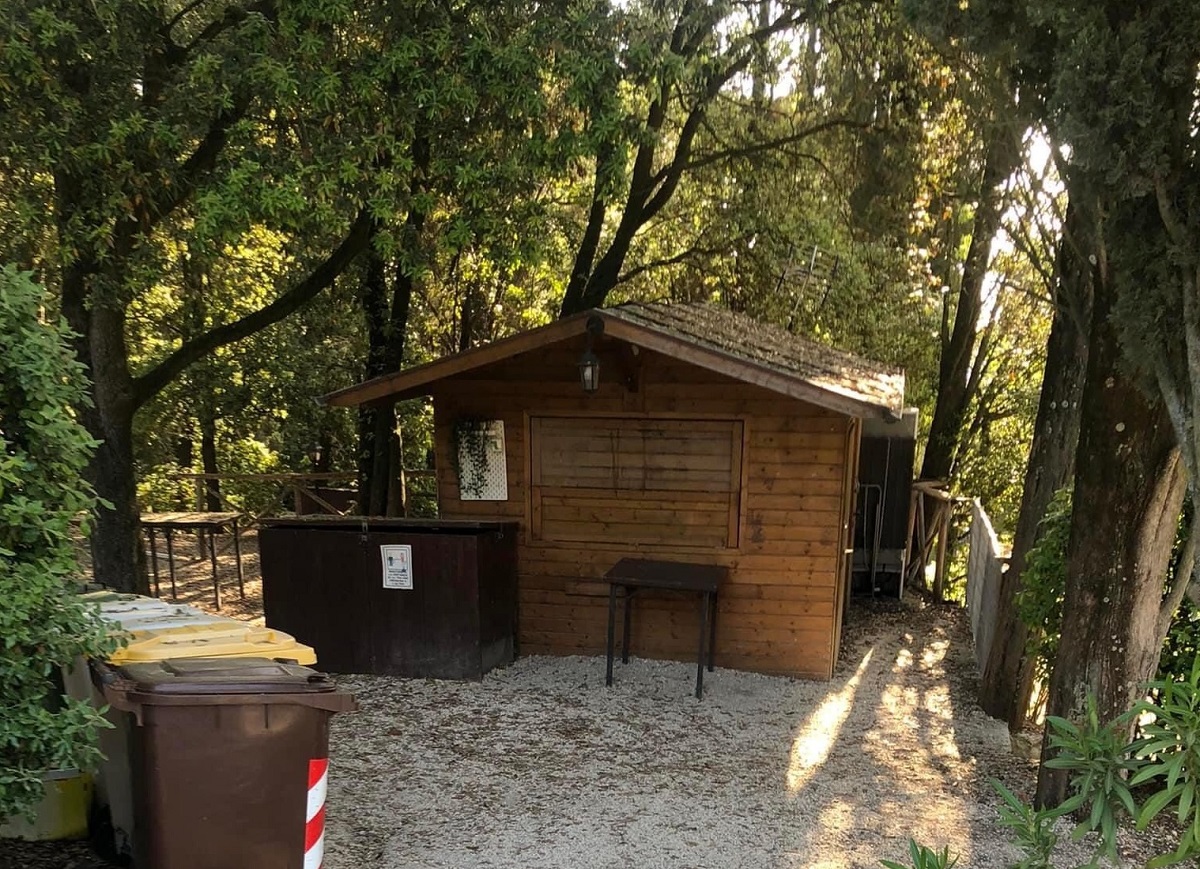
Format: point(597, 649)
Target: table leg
point(704, 616)
point(237, 550)
point(212, 555)
point(169, 533)
point(625, 632)
point(150, 536)
point(612, 618)
point(712, 632)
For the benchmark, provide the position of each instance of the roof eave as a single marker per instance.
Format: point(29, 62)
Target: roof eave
point(413, 382)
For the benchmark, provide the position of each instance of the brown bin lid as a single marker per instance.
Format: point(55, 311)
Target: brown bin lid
point(224, 676)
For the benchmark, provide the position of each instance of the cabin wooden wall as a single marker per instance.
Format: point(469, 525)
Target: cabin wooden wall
point(780, 612)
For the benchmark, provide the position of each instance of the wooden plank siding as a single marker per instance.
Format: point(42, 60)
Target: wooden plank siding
point(782, 608)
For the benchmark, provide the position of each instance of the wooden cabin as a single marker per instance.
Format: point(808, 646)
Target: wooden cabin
point(707, 437)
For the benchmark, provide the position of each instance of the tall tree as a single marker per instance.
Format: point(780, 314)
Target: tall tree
point(1007, 678)
point(1129, 487)
point(962, 352)
point(679, 61)
point(133, 125)
point(484, 138)
point(1116, 84)
point(142, 115)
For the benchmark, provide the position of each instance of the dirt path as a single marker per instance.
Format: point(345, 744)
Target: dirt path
point(541, 766)
point(193, 575)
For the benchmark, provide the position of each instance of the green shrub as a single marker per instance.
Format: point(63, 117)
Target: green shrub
point(1170, 750)
point(43, 624)
point(1182, 643)
point(1040, 600)
point(1106, 768)
point(1032, 829)
point(921, 857)
point(1100, 759)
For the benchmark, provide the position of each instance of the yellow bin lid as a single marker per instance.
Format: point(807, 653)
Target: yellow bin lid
point(223, 639)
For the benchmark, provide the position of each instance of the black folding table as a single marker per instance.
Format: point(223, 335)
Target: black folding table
point(633, 574)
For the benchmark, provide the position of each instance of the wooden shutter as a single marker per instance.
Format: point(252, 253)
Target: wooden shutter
point(664, 481)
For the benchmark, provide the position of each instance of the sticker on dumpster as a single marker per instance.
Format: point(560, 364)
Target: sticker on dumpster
point(397, 565)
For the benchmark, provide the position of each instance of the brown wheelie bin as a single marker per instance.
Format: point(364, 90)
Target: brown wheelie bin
point(229, 759)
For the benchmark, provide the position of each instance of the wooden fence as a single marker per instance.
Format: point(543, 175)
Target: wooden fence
point(986, 564)
point(307, 489)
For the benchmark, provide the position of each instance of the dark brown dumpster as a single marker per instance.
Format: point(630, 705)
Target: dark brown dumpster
point(415, 598)
point(229, 760)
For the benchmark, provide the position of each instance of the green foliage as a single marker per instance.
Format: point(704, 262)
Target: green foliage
point(1170, 748)
point(43, 623)
point(1032, 829)
point(470, 436)
point(1098, 758)
point(921, 857)
point(200, 161)
point(1043, 583)
point(1106, 768)
point(1181, 646)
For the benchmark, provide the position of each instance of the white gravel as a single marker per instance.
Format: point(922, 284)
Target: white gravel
point(540, 765)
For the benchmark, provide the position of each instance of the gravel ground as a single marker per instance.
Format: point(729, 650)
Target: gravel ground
point(49, 855)
point(540, 765)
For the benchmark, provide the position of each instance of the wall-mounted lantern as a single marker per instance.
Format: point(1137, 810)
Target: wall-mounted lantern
point(589, 362)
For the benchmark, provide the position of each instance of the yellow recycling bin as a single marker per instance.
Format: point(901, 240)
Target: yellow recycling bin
point(62, 812)
point(217, 639)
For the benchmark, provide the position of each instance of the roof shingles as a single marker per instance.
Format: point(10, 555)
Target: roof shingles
point(706, 335)
point(743, 337)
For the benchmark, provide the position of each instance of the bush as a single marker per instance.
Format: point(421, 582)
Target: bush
point(1040, 600)
point(921, 857)
point(1170, 752)
point(43, 624)
point(1163, 765)
point(1182, 643)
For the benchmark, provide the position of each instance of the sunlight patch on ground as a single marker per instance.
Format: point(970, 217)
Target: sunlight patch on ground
point(916, 701)
point(818, 736)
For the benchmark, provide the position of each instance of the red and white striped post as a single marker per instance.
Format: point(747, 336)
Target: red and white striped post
point(314, 819)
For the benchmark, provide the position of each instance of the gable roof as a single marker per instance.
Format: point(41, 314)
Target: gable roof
point(707, 336)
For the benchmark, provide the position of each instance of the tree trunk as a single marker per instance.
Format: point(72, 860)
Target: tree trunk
point(118, 560)
point(387, 327)
point(1129, 487)
point(397, 502)
point(466, 318)
point(1007, 680)
point(954, 369)
point(208, 453)
point(589, 245)
point(375, 422)
point(379, 461)
point(98, 321)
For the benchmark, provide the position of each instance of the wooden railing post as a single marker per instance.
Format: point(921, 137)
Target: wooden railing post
point(943, 533)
